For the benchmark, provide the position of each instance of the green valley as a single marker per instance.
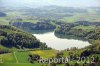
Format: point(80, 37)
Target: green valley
point(36, 34)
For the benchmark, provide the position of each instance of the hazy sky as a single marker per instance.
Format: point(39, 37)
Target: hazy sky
point(38, 3)
point(74, 3)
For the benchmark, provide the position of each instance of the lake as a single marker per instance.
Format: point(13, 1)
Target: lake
point(60, 43)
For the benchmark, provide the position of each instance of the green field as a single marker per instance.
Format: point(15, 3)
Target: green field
point(12, 17)
point(20, 64)
point(79, 16)
point(45, 53)
point(20, 58)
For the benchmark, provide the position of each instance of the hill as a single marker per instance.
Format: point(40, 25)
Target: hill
point(13, 37)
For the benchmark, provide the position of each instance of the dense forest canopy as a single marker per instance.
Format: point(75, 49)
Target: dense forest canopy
point(13, 37)
point(81, 29)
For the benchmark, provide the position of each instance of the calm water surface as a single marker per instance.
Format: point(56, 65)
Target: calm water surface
point(58, 43)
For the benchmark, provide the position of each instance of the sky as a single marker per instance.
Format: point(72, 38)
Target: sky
point(73, 3)
point(40, 3)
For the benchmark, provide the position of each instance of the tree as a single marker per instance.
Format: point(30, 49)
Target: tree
point(76, 64)
point(52, 64)
point(67, 64)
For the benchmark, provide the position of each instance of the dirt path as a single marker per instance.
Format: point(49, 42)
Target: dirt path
point(16, 58)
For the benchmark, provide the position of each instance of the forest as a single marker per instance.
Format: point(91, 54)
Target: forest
point(12, 37)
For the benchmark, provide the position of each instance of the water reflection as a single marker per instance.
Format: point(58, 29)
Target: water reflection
point(69, 37)
point(38, 31)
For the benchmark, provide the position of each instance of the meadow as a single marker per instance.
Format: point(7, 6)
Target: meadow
point(20, 58)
